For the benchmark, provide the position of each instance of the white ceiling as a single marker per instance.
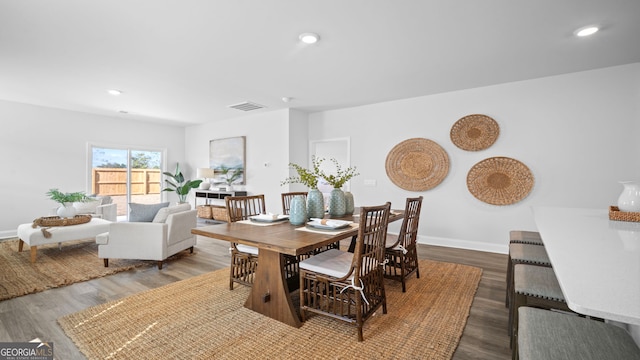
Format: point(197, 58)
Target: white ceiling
point(184, 62)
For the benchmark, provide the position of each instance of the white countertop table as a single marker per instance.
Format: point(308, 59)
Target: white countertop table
point(596, 261)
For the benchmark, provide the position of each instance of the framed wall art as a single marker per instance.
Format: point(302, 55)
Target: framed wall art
point(227, 159)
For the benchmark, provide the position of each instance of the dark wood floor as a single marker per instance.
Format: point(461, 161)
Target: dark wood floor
point(34, 316)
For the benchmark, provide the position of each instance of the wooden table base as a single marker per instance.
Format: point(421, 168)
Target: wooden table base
point(270, 293)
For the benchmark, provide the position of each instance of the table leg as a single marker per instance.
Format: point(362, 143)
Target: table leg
point(269, 293)
point(352, 245)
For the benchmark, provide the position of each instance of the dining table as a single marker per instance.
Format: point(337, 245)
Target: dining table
point(270, 294)
point(596, 261)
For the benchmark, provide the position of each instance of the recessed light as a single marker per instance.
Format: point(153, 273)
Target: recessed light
point(309, 38)
point(114, 92)
point(586, 31)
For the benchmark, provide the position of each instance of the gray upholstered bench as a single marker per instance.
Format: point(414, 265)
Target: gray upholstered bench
point(525, 237)
point(535, 286)
point(549, 335)
point(523, 254)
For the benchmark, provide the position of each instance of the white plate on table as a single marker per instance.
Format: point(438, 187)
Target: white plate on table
point(329, 224)
point(267, 218)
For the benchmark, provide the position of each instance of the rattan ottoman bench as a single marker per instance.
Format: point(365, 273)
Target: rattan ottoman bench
point(34, 237)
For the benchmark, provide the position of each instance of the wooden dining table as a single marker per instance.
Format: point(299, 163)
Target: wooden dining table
point(270, 294)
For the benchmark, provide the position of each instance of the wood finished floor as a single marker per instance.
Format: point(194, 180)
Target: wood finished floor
point(34, 316)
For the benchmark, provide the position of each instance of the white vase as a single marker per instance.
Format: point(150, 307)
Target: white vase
point(629, 200)
point(66, 210)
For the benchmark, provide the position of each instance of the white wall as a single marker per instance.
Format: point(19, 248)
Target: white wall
point(267, 141)
point(578, 134)
point(43, 148)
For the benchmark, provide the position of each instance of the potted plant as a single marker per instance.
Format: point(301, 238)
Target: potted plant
point(231, 175)
point(309, 178)
point(66, 201)
point(178, 184)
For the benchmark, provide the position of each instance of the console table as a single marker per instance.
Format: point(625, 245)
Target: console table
point(208, 195)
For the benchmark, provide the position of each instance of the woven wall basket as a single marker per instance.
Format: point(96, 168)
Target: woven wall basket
point(417, 164)
point(500, 181)
point(474, 132)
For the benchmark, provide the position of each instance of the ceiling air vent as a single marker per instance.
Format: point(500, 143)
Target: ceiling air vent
point(247, 106)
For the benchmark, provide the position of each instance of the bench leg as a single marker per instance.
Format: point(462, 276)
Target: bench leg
point(20, 245)
point(159, 265)
point(106, 262)
point(33, 250)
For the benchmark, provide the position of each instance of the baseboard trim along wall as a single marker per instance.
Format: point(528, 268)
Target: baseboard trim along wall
point(464, 244)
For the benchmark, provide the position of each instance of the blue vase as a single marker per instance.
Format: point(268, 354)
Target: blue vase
point(297, 210)
point(337, 203)
point(315, 204)
point(349, 205)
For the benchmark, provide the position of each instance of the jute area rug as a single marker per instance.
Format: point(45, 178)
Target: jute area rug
point(55, 266)
point(200, 318)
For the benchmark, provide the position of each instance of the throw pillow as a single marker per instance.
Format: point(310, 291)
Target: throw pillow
point(144, 212)
point(87, 207)
point(164, 213)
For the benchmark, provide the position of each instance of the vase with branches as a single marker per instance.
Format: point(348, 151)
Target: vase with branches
point(231, 175)
point(341, 175)
point(309, 178)
point(338, 205)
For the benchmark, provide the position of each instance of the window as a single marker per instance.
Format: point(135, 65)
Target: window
point(126, 175)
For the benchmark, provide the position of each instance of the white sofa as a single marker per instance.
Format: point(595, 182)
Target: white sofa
point(168, 234)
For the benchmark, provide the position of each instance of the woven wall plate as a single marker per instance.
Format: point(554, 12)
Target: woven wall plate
point(474, 132)
point(500, 181)
point(417, 164)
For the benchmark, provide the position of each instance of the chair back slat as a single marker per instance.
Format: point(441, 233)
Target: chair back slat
point(242, 207)
point(286, 200)
point(370, 244)
point(409, 230)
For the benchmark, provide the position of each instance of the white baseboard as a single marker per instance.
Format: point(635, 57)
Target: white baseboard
point(9, 234)
point(464, 244)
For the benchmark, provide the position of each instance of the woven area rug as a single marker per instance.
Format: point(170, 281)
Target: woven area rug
point(200, 318)
point(55, 266)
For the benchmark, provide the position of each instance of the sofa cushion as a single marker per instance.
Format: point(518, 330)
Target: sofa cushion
point(106, 199)
point(87, 207)
point(163, 214)
point(144, 212)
